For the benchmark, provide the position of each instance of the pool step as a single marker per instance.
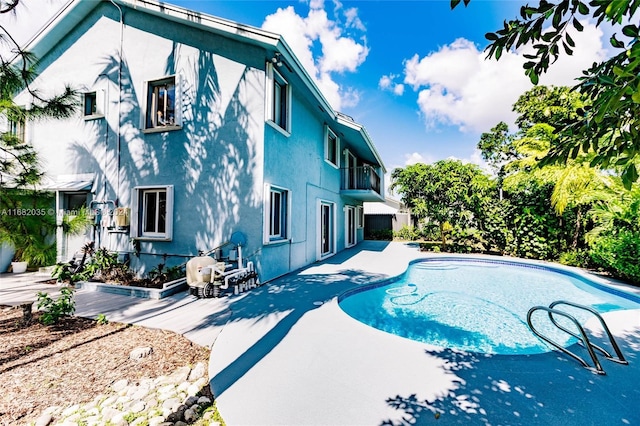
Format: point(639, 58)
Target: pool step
point(582, 337)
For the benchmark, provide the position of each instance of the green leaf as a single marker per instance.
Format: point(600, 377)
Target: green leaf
point(606, 79)
point(454, 3)
point(577, 25)
point(570, 41)
point(583, 9)
point(567, 49)
point(629, 175)
point(490, 36)
point(630, 31)
point(615, 42)
point(557, 18)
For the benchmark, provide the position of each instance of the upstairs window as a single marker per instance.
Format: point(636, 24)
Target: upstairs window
point(93, 103)
point(90, 103)
point(331, 146)
point(162, 112)
point(279, 104)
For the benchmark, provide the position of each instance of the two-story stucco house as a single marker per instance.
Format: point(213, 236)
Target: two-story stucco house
point(192, 128)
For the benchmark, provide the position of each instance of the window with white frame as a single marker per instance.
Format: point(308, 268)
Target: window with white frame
point(93, 103)
point(153, 213)
point(17, 128)
point(360, 217)
point(331, 146)
point(276, 214)
point(90, 103)
point(162, 111)
point(279, 105)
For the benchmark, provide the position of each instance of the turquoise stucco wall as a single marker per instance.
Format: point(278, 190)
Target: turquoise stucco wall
point(297, 162)
point(218, 162)
point(215, 161)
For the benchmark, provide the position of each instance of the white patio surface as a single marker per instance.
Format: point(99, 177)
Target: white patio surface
point(286, 354)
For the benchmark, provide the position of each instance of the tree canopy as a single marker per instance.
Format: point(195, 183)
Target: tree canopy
point(20, 170)
point(18, 69)
point(609, 122)
point(446, 193)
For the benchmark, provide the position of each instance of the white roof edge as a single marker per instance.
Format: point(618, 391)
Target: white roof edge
point(203, 19)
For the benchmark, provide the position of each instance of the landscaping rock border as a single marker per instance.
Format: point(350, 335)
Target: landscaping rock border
point(176, 399)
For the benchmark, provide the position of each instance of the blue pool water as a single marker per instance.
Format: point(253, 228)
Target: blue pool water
point(478, 306)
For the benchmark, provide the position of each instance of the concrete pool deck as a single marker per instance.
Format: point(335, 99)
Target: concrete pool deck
point(286, 354)
point(290, 356)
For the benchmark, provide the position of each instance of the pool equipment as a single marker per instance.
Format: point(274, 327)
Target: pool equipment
point(208, 277)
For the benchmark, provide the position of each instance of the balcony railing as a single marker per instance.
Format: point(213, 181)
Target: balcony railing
point(362, 178)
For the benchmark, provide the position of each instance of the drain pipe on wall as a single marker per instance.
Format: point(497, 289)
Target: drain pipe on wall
point(118, 139)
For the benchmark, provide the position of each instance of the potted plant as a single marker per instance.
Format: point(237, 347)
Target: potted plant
point(28, 227)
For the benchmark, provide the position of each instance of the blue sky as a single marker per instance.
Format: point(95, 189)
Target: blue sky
point(412, 72)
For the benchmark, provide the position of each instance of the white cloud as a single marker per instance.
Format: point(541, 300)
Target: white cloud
point(316, 4)
point(457, 86)
point(353, 20)
point(416, 157)
point(323, 46)
point(387, 82)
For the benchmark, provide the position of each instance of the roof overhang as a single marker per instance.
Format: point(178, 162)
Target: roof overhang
point(359, 139)
point(70, 183)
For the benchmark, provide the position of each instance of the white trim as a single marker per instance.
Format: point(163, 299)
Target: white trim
point(347, 230)
point(278, 128)
point(135, 231)
point(327, 132)
point(319, 223)
point(360, 217)
point(100, 105)
point(267, 238)
point(271, 76)
point(177, 106)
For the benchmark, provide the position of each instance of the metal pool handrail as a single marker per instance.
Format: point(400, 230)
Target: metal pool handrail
point(583, 336)
point(616, 348)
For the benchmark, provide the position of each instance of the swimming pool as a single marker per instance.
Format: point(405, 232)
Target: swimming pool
point(478, 305)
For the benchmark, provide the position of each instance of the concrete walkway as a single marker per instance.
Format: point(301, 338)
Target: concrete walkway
point(286, 354)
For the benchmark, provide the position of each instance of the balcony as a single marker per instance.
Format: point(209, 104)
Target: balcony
point(361, 183)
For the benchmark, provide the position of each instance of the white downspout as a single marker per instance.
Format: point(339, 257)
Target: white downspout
point(118, 142)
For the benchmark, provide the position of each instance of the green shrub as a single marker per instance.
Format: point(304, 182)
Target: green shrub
point(101, 319)
point(619, 254)
point(407, 233)
point(380, 234)
point(54, 309)
point(431, 246)
point(578, 258)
